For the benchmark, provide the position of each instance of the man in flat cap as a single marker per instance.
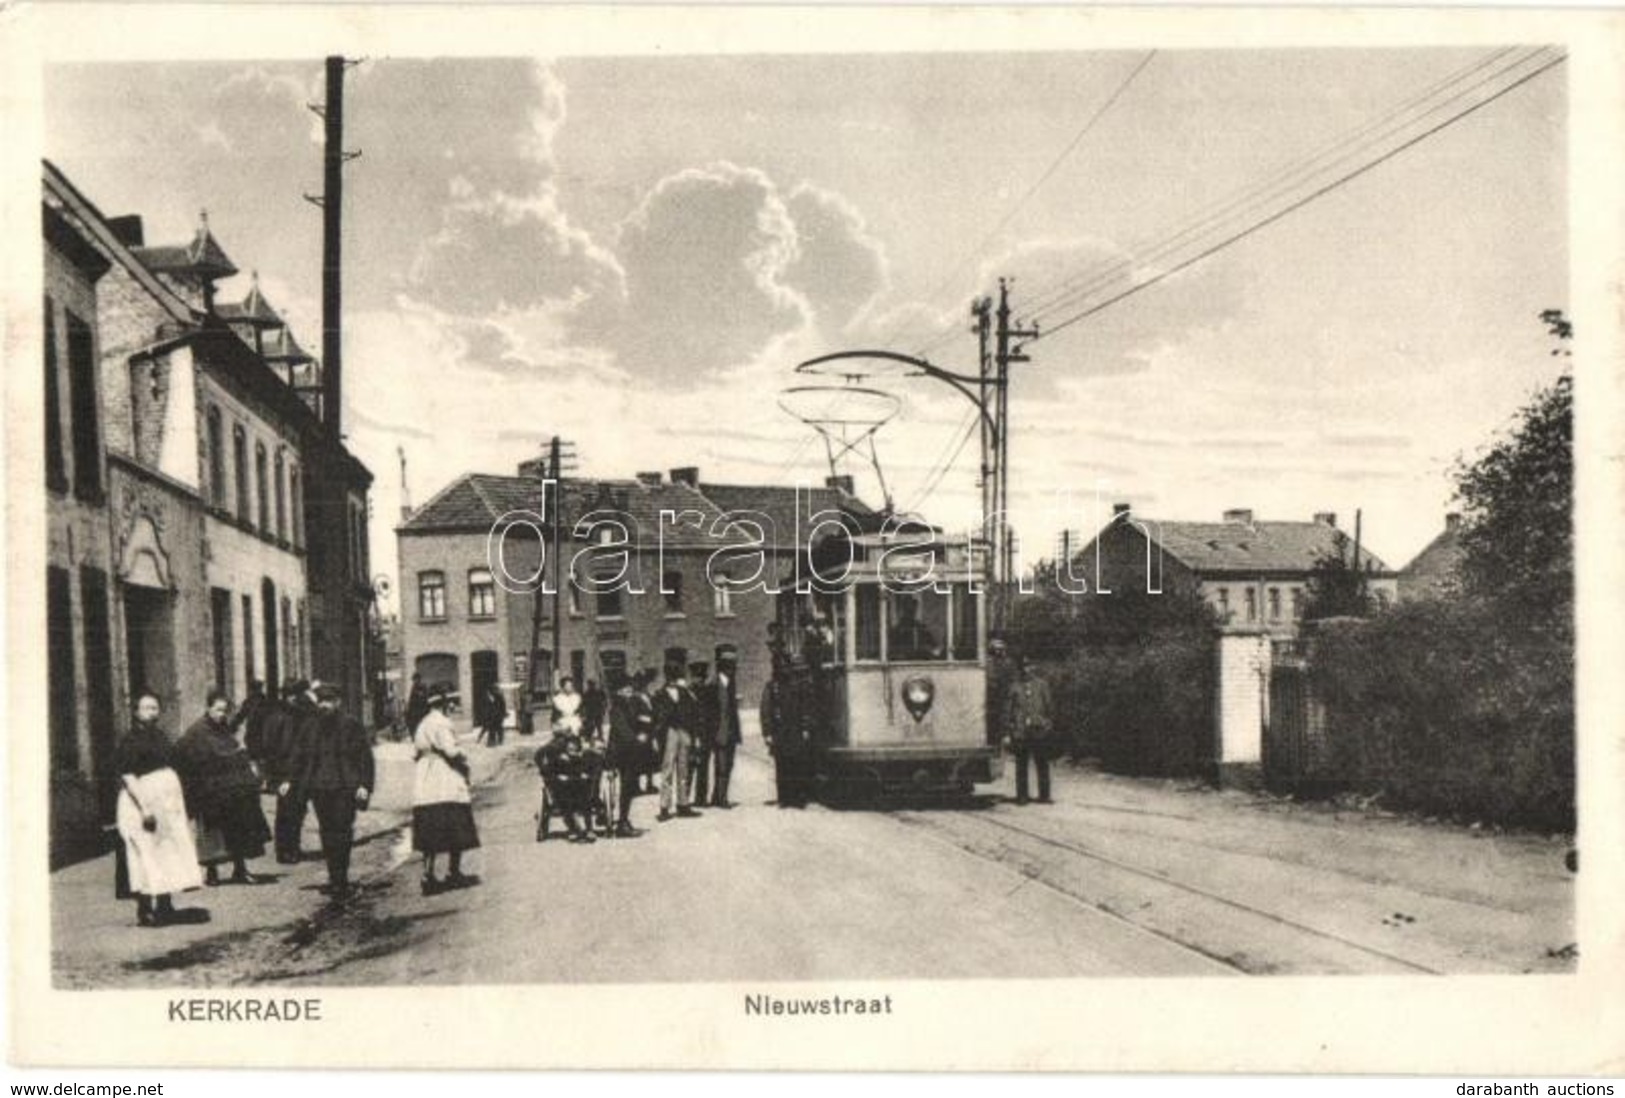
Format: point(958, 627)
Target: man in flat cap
point(332, 762)
point(283, 727)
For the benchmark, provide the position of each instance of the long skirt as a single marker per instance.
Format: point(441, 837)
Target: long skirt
point(235, 828)
point(444, 828)
point(163, 860)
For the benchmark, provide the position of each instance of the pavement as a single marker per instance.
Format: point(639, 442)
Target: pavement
point(95, 938)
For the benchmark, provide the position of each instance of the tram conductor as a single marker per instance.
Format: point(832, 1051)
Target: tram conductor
point(1030, 729)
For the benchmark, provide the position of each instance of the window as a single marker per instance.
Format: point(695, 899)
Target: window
point(671, 586)
point(609, 603)
point(248, 639)
point(1297, 603)
point(432, 595)
point(918, 626)
point(261, 487)
point(868, 621)
point(87, 457)
point(217, 460)
point(239, 460)
point(281, 496)
point(1275, 604)
point(220, 616)
point(59, 658)
point(296, 501)
point(482, 594)
point(965, 606)
point(56, 463)
point(722, 601)
point(1252, 604)
point(1224, 603)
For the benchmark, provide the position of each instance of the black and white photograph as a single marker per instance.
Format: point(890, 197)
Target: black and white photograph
point(951, 509)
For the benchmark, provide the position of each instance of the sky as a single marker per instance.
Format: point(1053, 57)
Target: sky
point(634, 253)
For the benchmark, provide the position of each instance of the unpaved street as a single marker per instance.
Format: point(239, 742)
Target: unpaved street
point(1119, 877)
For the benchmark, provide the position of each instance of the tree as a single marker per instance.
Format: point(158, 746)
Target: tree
point(1517, 500)
point(1336, 589)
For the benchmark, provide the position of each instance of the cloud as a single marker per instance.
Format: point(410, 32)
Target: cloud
point(839, 267)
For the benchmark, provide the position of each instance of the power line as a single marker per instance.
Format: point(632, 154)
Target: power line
point(1048, 172)
point(1062, 325)
point(1079, 286)
point(942, 470)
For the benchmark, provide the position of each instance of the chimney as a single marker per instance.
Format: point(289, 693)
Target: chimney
point(1243, 515)
point(128, 230)
point(841, 482)
point(687, 474)
point(1119, 509)
point(1452, 522)
point(650, 480)
point(1326, 518)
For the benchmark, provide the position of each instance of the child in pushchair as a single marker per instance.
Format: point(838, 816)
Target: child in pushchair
point(570, 778)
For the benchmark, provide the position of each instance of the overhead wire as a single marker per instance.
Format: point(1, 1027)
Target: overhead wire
point(1009, 215)
point(1053, 329)
point(1284, 179)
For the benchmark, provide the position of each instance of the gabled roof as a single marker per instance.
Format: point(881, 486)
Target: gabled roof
point(790, 530)
point(203, 257)
point(254, 311)
point(1249, 548)
point(282, 348)
point(475, 501)
point(1435, 568)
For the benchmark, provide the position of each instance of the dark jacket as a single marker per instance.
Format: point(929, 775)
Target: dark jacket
point(251, 717)
point(679, 713)
point(725, 711)
point(213, 768)
point(1029, 720)
point(783, 726)
point(331, 751)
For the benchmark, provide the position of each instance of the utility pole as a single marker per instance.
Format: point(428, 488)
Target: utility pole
point(982, 310)
point(331, 200)
point(560, 458)
point(1008, 350)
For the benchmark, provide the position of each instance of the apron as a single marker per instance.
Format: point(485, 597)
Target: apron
point(164, 860)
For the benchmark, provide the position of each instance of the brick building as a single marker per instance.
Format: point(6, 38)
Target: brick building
point(460, 625)
point(1252, 572)
point(211, 468)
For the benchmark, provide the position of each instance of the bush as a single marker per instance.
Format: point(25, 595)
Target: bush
point(1143, 708)
point(1450, 708)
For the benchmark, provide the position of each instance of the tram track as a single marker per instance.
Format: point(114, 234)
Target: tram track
point(1244, 937)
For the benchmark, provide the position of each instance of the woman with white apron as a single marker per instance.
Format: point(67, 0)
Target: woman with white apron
point(151, 815)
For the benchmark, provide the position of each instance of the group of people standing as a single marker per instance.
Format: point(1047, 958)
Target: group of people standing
point(190, 806)
point(686, 729)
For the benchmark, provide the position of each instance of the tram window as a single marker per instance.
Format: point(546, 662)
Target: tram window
point(867, 621)
point(919, 626)
point(964, 623)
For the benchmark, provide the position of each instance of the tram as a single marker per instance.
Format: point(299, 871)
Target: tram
point(889, 668)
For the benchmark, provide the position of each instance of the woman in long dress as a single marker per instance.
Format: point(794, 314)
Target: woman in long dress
point(151, 817)
point(442, 803)
point(222, 794)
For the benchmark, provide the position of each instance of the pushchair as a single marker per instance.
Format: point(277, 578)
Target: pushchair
point(574, 784)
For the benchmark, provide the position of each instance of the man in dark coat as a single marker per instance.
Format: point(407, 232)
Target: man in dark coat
point(627, 750)
point(699, 755)
point(724, 721)
point(594, 703)
point(1000, 677)
point(784, 730)
point(643, 716)
point(282, 728)
point(1029, 729)
point(249, 722)
point(332, 761)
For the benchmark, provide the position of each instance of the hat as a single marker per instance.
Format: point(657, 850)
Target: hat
point(727, 653)
point(439, 693)
point(996, 645)
point(325, 691)
point(292, 688)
